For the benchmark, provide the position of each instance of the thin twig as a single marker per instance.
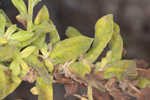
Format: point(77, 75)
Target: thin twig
point(134, 88)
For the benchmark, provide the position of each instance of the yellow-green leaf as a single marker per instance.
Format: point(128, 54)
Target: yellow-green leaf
point(22, 36)
point(43, 27)
point(143, 82)
point(54, 36)
point(31, 4)
point(15, 67)
point(11, 85)
point(10, 30)
point(42, 16)
point(40, 41)
point(35, 2)
point(34, 61)
point(116, 44)
point(9, 88)
point(45, 49)
point(72, 32)
point(3, 79)
point(70, 49)
point(100, 66)
point(35, 91)
point(80, 68)
point(49, 65)
point(20, 5)
point(103, 34)
point(120, 69)
point(2, 24)
point(3, 41)
point(6, 52)
point(24, 68)
point(8, 22)
point(45, 89)
point(31, 40)
point(8, 83)
point(48, 27)
point(27, 51)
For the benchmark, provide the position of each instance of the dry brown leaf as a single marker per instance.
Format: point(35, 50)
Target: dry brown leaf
point(98, 95)
point(145, 94)
point(31, 76)
point(143, 73)
point(141, 63)
point(71, 88)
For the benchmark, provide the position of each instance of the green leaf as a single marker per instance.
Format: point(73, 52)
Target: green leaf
point(14, 43)
point(2, 24)
point(22, 36)
point(54, 36)
point(24, 68)
point(27, 51)
point(43, 27)
point(120, 69)
point(80, 68)
point(45, 88)
point(3, 80)
point(44, 50)
point(143, 82)
point(116, 44)
point(72, 32)
point(42, 16)
point(48, 27)
point(103, 34)
point(15, 68)
point(3, 41)
point(49, 65)
point(34, 61)
point(10, 30)
point(70, 49)
point(31, 4)
point(30, 13)
point(8, 21)
point(100, 66)
point(40, 41)
point(35, 2)
point(12, 85)
point(31, 40)
point(20, 5)
point(8, 83)
point(6, 52)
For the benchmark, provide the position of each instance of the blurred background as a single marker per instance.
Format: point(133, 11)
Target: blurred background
point(133, 16)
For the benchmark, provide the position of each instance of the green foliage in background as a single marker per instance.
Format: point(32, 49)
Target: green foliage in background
point(20, 50)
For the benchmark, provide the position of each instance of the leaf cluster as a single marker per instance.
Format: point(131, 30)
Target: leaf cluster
point(22, 50)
